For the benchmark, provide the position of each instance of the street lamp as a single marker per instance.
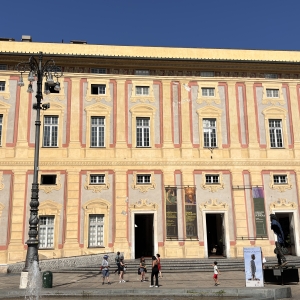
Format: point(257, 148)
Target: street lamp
point(36, 70)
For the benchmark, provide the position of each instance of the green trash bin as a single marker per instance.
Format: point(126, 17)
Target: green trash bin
point(47, 279)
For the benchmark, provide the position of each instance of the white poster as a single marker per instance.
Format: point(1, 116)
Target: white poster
point(253, 267)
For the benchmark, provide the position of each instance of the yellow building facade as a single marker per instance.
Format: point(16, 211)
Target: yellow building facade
point(179, 151)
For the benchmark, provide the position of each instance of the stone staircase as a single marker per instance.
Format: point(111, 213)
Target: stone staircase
point(186, 265)
point(91, 263)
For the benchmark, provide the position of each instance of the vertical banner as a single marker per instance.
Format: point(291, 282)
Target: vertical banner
point(190, 212)
point(259, 211)
point(171, 212)
point(253, 267)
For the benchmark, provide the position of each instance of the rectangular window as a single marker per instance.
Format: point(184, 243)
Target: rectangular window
point(280, 179)
point(98, 89)
point(1, 126)
point(212, 179)
point(48, 179)
point(97, 179)
point(142, 90)
point(97, 131)
point(272, 93)
point(207, 74)
point(208, 92)
point(96, 231)
point(210, 133)
point(143, 132)
point(2, 86)
point(142, 179)
point(275, 129)
point(142, 72)
point(50, 131)
point(3, 67)
point(46, 232)
point(271, 76)
point(98, 70)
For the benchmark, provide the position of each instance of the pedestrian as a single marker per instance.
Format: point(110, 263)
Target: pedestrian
point(154, 272)
point(158, 265)
point(142, 268)
point(117, 261)
point(216, 273)
point(105, 269)
point(280, 248)
point(122, 270)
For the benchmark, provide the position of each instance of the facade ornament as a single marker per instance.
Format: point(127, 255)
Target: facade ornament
point(143, 204)
point(98, 97)
point(213, 204)
point(96, 188)
point(49, 207)
point(1, 181)
point(144, 187)
point(212, 187)
point(1, 209)
point(282, 204)
point(48, 188)
point(280, 187)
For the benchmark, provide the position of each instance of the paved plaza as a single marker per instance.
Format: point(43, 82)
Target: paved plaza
point(90, 283)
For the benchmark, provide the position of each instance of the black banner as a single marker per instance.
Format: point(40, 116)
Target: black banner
point(190, 213)
point(259, 211)
point(171, 212)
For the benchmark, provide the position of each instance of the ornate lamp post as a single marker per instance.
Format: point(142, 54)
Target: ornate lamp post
point(36, 70)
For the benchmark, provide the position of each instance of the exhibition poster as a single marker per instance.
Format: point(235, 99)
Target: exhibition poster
point(253, 267)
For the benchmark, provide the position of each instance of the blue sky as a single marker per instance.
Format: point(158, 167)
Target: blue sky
point(243, 24)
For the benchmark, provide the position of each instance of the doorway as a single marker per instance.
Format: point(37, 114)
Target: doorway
point(144, 235)
point(287, 223)
point(215, 235)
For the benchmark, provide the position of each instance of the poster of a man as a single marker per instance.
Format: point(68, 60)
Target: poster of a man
point(171, 195)
point(190, 196)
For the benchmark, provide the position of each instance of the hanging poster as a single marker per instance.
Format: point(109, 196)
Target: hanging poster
point(253, 267)
point(171, 212)
point(259, 211)
point(190, 212)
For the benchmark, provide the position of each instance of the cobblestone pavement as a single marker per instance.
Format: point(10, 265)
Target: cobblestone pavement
point(171, 281)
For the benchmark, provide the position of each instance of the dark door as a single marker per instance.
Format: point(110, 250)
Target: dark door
point(215, 235)
point(143, 235)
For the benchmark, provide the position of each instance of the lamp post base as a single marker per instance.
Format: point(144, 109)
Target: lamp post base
point(23, 280)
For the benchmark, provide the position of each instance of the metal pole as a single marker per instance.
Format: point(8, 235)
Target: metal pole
point(32, 242)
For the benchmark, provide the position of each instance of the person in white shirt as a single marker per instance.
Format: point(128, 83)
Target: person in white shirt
point(216, 273)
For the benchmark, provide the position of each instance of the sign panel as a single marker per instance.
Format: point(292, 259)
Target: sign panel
point(171, 212)
point(190, 212)
point(253, 267)
point(259, 211)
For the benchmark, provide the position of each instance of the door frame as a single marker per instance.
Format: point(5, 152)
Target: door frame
point(296, 226)
point(132, 217)
point(226, 230)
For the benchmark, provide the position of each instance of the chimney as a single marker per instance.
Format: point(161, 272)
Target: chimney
point(26, 38)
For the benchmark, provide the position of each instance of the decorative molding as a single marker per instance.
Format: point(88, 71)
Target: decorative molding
point(280, 187)
point(49, 207)
point(282, 204)
point(5, 94)
point(269, 100)
point(208, 99)
point(143, 187)
point(1, 209)
point(48, 188)
point(212, 187)
point(96, 188)
point(142, 98)
point(143, 204)
point(54, 96)
point(213, 204)
point(89, 96)
point(97, 206)
point(1, 181)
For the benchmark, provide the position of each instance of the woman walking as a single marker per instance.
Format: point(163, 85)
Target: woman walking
point(143, 269)
point(122, 269)
point(158, 265)
point(154, 272)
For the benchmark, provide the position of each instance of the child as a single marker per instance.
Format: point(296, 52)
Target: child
point(216, 273)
